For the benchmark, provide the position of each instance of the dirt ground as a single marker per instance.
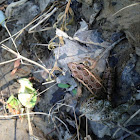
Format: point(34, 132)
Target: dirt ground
point(100, 21)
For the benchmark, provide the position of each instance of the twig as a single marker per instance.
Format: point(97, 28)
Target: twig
point(132, 133)
point(74, 117)
point(29, 123)
point(46, 89)
point(55, 125)
point(42, 30)
point(24, 114)
point(3, 76)
point(45, 83)
point(125, 8)
point(108, 49)
point(46, 45)
point(24, 58)
point(11, 38)
point(128, 134)
point(46, 16)
point(62, 123)
point(20, 31)
point(9, 61)
point(137, 112)
point(52, 112)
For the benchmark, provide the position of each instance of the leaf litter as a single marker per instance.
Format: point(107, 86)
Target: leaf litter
point(87, 42)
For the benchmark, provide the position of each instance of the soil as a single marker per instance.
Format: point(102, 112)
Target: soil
point(112, 19)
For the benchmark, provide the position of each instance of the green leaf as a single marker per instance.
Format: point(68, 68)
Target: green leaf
point(27, 100)
point(13, 102)
point(27, 94)
point(63, 85)
point(74, 91)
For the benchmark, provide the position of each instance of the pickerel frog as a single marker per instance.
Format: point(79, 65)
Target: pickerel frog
point(103, 112)
point(83, 74)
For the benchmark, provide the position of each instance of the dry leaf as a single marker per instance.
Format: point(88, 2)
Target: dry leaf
point(16, 65)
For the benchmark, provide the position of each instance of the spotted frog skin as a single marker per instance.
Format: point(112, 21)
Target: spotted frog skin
point(84, 76)
point(103, 112)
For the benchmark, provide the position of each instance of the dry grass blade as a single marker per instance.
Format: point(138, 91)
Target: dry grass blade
point(20, 32)
point(46, 16)
point(126, 8)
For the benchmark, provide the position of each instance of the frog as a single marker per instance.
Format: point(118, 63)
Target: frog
point(83, 74)
point(103, 112)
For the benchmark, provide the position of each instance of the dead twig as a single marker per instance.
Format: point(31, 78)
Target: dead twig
point(24, 114)
point(24, 58)
point(46, 16)
point(137, 112)
point(62, 123)
point(9, 61)
point(29, 123)
point(131, 5)
point(46, 89)
point(74, 117)
point(130, 132)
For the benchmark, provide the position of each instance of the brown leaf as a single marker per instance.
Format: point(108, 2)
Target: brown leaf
point(16, 65)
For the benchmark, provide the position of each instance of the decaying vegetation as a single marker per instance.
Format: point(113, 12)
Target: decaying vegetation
point(64, 87)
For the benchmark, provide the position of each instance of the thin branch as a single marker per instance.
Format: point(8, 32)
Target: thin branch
point(62, 123)
point(74, 117)
point(20, 31)
point(125, 8)
point(46, 89)
point(137, 112)
point(132, 133)
point(24, 114)
point(46, 16)
point(9, 61)
point(11, 38)
point(24, 58)
point(29, 123)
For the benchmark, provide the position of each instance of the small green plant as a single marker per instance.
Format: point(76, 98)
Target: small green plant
point(26, 96)
point(61, 85)
point(13, 104)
